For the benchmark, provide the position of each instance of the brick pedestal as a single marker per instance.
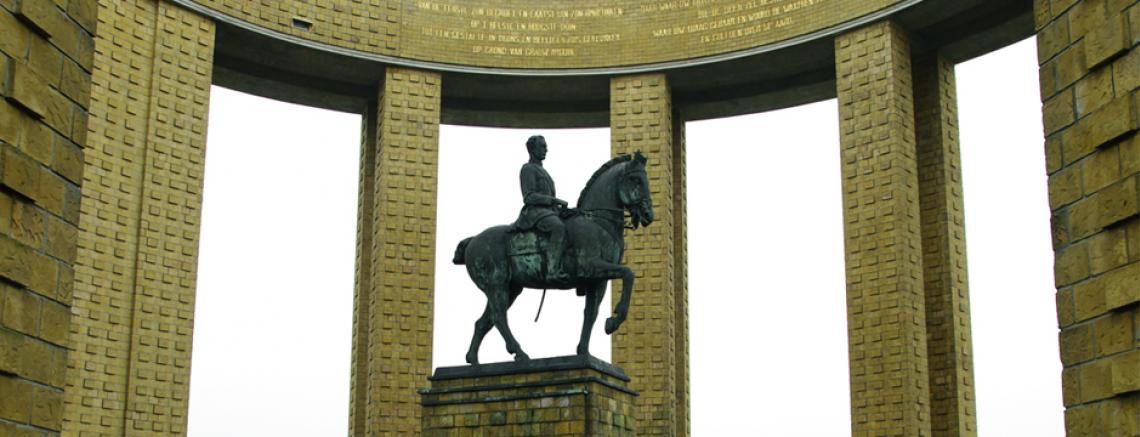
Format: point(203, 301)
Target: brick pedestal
point(564, 396)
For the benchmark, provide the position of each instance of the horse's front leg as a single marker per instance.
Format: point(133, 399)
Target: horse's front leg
point(609, 270)
point(594, 294)
point(622, 310)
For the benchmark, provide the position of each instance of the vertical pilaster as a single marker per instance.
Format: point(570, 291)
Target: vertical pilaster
point(401, 265)
point(681, 275)
point(886, 318)
point(362, 296)
point(641, 119)
point(1090, 75)
point(948, 340)
point(139, 221)
point(45, 75)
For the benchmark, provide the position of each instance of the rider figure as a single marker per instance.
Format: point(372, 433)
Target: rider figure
point(541, 207)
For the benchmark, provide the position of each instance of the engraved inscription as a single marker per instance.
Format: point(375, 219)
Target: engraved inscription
point(634, 31)
point(521, 31)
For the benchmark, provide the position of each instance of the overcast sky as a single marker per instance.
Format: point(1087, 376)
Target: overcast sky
point(766, 278)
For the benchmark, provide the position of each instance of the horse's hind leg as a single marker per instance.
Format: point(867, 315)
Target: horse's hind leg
point(594, 294)
point(499, 300)
point(482, 326)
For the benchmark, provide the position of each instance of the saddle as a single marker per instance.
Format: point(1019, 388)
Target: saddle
point(528, 253)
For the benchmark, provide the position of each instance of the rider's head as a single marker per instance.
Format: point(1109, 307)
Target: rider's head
point(536, 146)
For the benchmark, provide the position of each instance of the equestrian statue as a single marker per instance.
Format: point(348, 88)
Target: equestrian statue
point(553, 247)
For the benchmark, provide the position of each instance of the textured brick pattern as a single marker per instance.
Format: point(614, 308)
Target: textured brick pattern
point(547, 34)
point(569, 403)
point(641, 119)
point(1090, 75)
point(45, 74)
point(949, 350)
point(138, 236)
point(681, 275)
point(361, 297)
point(400, 261)
point(886, 320)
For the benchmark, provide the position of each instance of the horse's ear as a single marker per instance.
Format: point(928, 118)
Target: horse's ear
point(637, 156)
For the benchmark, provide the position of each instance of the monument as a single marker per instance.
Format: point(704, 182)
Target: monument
point(102, 148)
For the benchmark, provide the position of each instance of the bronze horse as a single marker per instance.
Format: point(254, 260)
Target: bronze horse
point(593, 253)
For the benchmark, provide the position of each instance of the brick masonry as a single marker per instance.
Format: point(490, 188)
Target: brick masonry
point(45, 80)
point(642, 119)
point(139, 221)
point(886, 320)
point(949, 343)
point(117, 119)
point(392, 323)
point(1090, 75)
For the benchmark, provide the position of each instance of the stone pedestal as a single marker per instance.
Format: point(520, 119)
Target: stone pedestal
point(563, 396)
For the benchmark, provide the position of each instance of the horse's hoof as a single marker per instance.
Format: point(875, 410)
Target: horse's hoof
point(472, 359)
point(583, 350)
point(612, 324)
point(522, 356)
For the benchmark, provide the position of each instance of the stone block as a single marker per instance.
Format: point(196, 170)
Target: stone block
point(1096, 381)
point(55, 323)
point(1093, 91)
point(1106, 41)
point(85, 13)
point(1100, 169)
point(45, 60)
point(1072, 264)
point(1126, 372)
point(1077, 345)
point(1052, 38)
point(47, 408)
point(1114, 334)
point(1108, 250)
point(27, 90)
point(21, 310)
point(1065, 187)
point(1126, 72)
point(14, 44)
point(15, 404)
point(1112, 121)
point(1059, 111)
point(1109, 206)
point(1121, 286)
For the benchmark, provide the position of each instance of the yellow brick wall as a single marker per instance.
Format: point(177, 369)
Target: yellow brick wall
point(1090, 73)
point(886, 320)
point(138, 228)
point(45, 77)
point(549, 34)
point(681, 275)
point(400, 259)
point(949, 343)
point(641, 119)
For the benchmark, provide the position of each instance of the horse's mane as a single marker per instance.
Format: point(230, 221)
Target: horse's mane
point(617, 160)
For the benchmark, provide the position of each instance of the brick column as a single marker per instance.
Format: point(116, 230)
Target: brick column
point(949, 345)
point(139, 221)
point(886, 318)
point(45, 75)
point(1090, 72)
point(642, 118)
point(392, 323)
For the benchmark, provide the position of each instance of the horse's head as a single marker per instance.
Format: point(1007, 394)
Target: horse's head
point(633, 191)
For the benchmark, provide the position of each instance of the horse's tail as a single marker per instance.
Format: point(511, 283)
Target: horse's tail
point(459, 251)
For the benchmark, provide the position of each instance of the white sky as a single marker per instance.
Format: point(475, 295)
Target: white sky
point(767, 316)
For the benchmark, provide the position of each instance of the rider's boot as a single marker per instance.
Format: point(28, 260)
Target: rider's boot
point(554, 271)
